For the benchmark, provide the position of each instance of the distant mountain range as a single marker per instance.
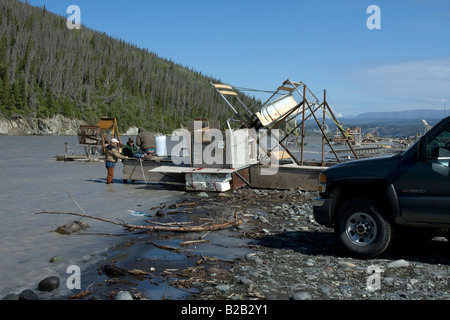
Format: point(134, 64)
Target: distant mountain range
point(402, 115)
point(405, 123)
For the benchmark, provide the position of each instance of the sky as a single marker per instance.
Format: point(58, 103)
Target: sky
point(329, 45)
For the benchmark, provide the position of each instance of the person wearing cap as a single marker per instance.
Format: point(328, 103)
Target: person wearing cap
point(112, 157)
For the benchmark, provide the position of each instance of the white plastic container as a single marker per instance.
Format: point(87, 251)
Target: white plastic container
point(161, 147)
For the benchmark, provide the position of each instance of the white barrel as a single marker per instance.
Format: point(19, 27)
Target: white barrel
point(161, 147)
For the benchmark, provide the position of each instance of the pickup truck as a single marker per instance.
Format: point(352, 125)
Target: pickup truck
point(369, 201)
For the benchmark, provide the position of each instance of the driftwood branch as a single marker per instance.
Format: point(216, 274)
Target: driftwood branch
point(192, 242)
point(75, 201)
point(171, 228)
point(160, 246)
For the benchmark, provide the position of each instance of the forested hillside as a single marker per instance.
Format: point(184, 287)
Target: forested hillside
point(48, 69)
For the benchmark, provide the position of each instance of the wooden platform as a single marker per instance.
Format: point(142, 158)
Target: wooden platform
point(208, 179)
point(283, 177)
point(80, 158)
point(288, 176)
point(139, 170)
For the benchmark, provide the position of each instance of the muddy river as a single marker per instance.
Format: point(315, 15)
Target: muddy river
point(31, 180)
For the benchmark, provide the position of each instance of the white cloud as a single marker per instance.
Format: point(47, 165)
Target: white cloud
point(417, 81)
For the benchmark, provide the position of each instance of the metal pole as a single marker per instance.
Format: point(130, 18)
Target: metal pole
point(323, 122)
point(303, 123)
point(342, 131)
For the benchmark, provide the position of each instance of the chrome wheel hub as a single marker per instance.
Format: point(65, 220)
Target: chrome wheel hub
point(361, 229)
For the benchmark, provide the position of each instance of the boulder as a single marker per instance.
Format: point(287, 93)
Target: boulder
point(124, 295)
point(398, 264)
point(72, 227)
point(11, 296)
point(28, 294)
point(49, 284)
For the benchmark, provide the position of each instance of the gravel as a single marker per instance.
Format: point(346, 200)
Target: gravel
point(294, 258)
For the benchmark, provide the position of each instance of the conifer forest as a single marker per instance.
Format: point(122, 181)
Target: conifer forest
point(48, 69)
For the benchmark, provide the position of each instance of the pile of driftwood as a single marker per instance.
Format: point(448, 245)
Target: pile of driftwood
point(200, 226)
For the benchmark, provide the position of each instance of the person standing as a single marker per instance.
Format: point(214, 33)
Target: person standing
point(112, 156)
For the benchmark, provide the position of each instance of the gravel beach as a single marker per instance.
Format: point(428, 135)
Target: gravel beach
point(278, 253)
point(295, 258)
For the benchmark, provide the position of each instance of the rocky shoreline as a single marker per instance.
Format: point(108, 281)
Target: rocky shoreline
point(279, 253)
point(57, 125)
point(297, 259)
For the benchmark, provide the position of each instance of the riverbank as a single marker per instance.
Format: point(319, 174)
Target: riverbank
point(278, 253)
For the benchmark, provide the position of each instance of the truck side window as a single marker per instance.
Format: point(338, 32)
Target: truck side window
point(439, 146)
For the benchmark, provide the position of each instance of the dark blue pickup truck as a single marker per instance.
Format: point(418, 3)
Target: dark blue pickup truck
point(368, 201)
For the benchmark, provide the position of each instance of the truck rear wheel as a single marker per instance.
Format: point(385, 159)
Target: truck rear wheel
point(363, 229)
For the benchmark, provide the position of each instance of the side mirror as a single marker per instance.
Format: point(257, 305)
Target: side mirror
point(422, 148)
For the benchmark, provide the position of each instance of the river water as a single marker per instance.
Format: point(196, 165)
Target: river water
point(31, 180)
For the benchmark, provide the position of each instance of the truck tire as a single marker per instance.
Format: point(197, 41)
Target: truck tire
point(363, 228)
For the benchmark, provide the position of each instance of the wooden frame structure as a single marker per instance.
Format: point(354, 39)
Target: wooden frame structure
point(108, 124)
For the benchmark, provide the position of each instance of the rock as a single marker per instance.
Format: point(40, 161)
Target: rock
point(56, 259)
point(398, 264)
point(124, 295)
point(110, 270)
point(388, 281)
point(310, 277)
point(223, 287)
point(203, 195)
point(72, 227)
point(49, 284)
point(57, 125)
point(28, 294)
point(213, 270)
point(11, 296)
point(264, 220)
point(310, 263)
point(302, 295)
point(255, 258)
point(346, 264)
point(245, 280)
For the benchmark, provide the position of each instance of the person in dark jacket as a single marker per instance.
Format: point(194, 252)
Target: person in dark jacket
point(131, 150)
point(146, 141)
